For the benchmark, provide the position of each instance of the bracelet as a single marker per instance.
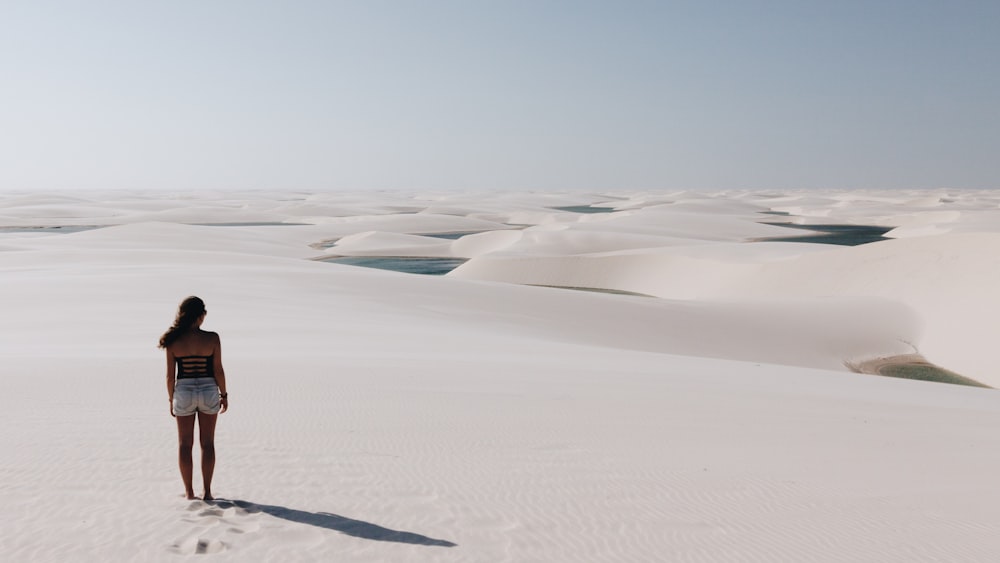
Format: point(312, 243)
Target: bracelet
point(223, 395)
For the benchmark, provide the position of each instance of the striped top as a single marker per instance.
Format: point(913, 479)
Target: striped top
point(189, 367)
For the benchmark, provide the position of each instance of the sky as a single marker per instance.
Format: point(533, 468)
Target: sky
point(519, 95)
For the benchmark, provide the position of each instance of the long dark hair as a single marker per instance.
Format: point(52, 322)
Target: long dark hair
point(187, 314)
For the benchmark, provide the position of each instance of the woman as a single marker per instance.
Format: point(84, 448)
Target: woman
point(196, 383)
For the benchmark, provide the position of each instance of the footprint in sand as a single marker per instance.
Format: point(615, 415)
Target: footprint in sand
point(198, 546)
point(210, 523)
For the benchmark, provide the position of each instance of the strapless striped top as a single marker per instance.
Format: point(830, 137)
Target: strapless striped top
point(189, 367)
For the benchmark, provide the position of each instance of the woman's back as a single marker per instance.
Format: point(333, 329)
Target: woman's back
point(194, 342)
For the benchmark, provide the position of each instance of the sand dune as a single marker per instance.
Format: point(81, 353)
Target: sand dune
point(381, 416)
point(374, 243)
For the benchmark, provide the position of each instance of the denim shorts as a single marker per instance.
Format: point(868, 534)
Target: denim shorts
point(196, 394)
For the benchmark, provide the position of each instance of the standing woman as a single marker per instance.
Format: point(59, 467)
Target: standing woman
point(196, 383)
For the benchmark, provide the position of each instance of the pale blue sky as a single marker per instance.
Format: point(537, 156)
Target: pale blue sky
point(499, 94)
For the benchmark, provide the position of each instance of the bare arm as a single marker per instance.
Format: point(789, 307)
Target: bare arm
point(220, 374)
point(171, 373)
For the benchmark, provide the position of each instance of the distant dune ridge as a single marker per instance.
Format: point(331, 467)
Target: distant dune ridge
point(480, 416)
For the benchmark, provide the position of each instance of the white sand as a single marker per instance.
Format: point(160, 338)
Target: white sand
point(379, 416)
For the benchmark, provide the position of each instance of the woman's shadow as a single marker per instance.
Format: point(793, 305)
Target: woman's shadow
point(356, 528)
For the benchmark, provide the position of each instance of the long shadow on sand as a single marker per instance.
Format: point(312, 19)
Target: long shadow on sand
point(342, 524)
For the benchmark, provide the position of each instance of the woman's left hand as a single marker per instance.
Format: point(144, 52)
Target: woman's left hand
point(225, 404)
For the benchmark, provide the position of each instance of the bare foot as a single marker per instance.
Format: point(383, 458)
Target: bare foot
point(190, 495)
point(207, 496)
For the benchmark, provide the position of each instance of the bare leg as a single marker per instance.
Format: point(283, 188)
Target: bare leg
point(206, 433)
point(185, 439)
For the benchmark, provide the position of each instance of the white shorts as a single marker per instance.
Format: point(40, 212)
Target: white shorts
point(196, 394)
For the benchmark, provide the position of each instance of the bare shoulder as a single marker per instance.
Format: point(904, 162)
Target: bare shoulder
point(216, 344)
